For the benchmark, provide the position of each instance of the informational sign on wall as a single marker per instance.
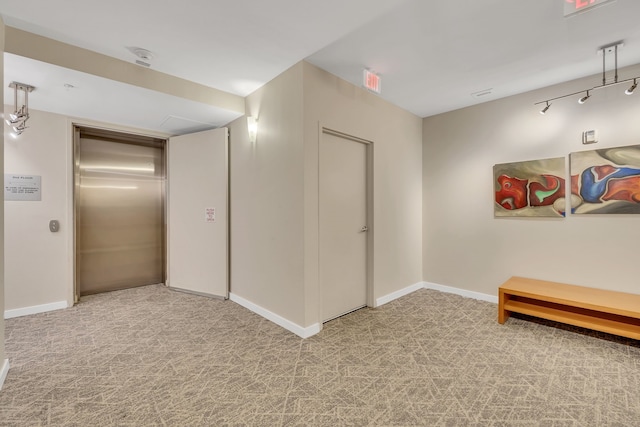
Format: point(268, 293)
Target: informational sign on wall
point(210, 214)
point(22, 188)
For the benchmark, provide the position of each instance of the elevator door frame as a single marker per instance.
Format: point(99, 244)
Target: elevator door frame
point(125, 138)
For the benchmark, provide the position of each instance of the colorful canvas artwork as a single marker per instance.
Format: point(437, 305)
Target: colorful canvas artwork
point(533, 188)
point(606, 181)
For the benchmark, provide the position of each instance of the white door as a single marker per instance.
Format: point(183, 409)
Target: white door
point(343, 225)
point(198, 213)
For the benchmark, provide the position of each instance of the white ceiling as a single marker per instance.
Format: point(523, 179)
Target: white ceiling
point(432, 55)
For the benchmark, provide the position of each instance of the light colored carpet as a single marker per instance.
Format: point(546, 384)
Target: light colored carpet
point(151, 356)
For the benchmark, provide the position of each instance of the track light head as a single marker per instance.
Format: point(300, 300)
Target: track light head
point(632, 88)
point(16, 116)
point(544, 110)
point(19, 128)
point(584, 98)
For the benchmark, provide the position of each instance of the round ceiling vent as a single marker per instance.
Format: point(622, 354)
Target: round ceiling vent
point(143, 54)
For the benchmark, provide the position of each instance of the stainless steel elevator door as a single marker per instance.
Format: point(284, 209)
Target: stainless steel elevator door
point(119, 215)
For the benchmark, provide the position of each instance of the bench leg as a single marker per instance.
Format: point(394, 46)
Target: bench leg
point(503, 314)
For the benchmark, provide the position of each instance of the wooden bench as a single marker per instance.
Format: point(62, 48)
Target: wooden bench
point(612, 312)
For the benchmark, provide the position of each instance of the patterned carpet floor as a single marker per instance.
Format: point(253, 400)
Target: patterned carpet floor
point(154, 357)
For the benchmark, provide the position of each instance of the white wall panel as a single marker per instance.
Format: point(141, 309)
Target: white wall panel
point(198, 239)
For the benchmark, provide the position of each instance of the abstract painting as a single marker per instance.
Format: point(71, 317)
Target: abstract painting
point(606, 181)
point(534, 188)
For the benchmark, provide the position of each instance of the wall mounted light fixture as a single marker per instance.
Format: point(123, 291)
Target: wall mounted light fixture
point(611, 48)
point(18, 119)
point(252, 128)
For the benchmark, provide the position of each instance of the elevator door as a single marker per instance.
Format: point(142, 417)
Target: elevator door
point(119, 197)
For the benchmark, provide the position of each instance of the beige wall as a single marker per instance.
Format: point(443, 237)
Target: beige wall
point(2, 280)
point(267, 199)
point(37, 261)
point(466, 247)
point(397, 188)
point(274, 190)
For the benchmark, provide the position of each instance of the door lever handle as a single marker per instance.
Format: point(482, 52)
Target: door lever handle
point(364, 228)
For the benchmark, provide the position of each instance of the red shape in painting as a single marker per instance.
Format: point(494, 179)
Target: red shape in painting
point(601, 172)
point(513, 192)
point(575, 184)
point(547, 192)
point(624, 189)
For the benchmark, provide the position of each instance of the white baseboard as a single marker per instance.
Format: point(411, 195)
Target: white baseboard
point(200, 294)
point(462, 292)
point(278, 320)
point(25, 311)
point(3, 372)
point(397, 294)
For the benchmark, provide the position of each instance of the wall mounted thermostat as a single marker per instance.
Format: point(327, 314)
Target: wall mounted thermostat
point(54, 225)
point(589, 137)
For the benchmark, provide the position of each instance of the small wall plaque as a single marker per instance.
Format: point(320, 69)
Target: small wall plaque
point(589, 137)
point(210, 214)
point(22, 188)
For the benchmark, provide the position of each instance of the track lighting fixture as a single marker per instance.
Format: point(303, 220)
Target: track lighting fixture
point(544, 110)
point(18, 114)
point(611, 48)
point(632, 88)
point(584, 98)
point(18, 119)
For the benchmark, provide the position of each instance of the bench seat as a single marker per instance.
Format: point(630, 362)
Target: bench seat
point(602, 310)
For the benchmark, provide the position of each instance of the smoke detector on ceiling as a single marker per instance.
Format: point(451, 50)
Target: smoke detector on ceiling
point(144, 56)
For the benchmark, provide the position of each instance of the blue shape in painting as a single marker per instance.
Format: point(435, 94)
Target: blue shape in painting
point(593, 188)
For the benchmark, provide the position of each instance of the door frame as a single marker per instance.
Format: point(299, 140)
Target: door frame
point(75, 182)
point(369, 148)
